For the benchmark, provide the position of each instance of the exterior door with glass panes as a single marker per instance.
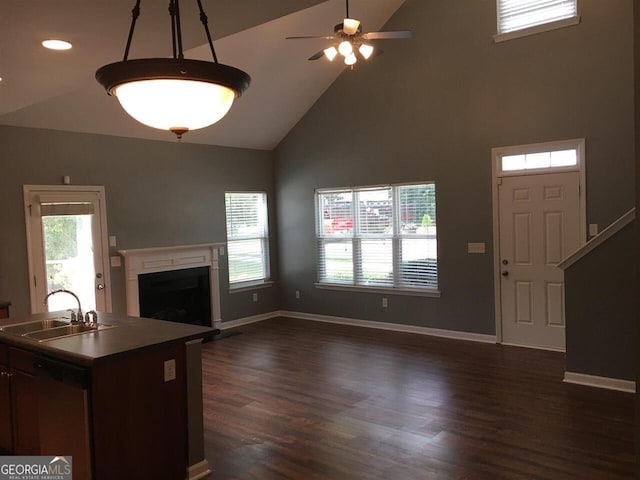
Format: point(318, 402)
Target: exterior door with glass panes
point(67, 247)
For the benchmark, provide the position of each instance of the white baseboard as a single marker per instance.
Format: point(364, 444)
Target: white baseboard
point(600, 382)
point(198, 470)
point(247, 320)
point(397, 327)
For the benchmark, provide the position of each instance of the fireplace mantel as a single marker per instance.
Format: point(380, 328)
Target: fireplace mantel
point(161, 259)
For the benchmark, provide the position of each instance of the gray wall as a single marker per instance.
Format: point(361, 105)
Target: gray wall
point(158, 194)
point(431, 108)
point(600, 292)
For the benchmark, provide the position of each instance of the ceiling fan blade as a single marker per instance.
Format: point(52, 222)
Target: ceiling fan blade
point(317, 55)
point(305, 37)
point(387, 35)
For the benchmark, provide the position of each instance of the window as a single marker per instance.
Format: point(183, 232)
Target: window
point(539, 158)
point(247, 238)
point(517, 18)
point(380, 237)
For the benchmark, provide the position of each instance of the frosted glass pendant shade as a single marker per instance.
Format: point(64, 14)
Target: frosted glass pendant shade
point(174, 94)
point(170, 104)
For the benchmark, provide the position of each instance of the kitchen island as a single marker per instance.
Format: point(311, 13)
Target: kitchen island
point(125, 401)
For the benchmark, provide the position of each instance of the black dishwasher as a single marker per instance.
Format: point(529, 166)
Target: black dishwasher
point(64, 412)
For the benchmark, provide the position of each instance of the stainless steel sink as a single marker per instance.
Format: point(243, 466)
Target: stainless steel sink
point(28, 327)
point(51, 329)
point(65, 331)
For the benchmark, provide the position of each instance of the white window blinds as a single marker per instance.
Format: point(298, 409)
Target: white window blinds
point(247, 237)
point(516, 15)
point(378, 236)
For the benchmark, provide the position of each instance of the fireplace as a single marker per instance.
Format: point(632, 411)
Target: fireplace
point(174, 283)
point(176, 295)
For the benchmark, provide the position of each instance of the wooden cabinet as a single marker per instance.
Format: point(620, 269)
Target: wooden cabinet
point(6, 427)
point(22, 404)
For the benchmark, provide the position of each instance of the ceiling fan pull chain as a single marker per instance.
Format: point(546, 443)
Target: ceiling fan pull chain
point(135, 13)
point(347, 9)
point(205, 24)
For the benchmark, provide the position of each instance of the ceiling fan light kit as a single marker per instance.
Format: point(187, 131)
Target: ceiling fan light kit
point(349, 38)
point(175, 94)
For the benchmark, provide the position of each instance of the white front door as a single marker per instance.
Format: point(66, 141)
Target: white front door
point(539, 227)
point(67, 247)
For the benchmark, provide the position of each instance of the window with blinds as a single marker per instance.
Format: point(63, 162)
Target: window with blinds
point(516, 15)
point(247, 237)
point(378, 236)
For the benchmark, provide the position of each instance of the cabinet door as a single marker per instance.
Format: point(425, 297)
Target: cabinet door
point(25, 414)
point(6, 430)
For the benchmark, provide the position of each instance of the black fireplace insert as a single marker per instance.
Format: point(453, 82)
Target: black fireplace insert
point(177, 296)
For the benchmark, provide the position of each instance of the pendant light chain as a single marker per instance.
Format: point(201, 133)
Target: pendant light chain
point(135, 13)
point(347, 9)
point(205, 24)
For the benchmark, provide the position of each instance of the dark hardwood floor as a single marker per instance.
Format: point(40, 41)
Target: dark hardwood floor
point(295, 399)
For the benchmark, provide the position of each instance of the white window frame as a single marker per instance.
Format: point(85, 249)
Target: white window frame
point(395, 237)
point(235, 287)
point(524, 32)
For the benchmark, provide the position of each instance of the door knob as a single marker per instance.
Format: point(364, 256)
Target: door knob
point(505, 273)
point(100, 286)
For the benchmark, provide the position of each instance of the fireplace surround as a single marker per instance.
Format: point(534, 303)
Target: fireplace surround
point(138, 263)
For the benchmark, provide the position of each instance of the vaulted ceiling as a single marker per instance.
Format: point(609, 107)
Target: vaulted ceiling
point(57, 90)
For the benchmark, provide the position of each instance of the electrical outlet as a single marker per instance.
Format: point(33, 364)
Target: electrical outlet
point(255, 297)
point(593, 229)
point(385, 303)
point(115, 261)
point(113, 241)
point(297, 293)
point(169, 370)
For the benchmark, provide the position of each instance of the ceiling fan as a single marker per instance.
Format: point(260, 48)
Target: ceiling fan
point(350, 41)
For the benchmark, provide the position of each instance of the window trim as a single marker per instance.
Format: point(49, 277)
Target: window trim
point(577, 143)
point(544, 27)
point(235, 287)
point(394, 237)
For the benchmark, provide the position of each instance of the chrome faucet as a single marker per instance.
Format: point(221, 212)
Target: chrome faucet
point(74, 317)
point(93, 322)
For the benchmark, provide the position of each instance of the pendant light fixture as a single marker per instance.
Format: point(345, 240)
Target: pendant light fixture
point(175, 94)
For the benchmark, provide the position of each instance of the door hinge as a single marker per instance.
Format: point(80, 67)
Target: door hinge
point(30, 212)
point(35, 281)
point(499, 181)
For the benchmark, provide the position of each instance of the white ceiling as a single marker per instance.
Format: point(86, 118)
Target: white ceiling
point(57, 90)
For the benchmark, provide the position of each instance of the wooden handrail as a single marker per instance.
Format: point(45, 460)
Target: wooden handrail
point(599, 239)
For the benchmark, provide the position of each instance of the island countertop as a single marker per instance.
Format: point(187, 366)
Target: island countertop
point(127, 335)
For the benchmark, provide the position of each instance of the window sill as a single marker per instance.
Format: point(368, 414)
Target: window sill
point(545, 27)
point(248, 286)
point(391, 291)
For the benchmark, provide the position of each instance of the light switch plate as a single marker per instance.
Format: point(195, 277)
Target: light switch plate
point(476, 247)
point(593, 229)
point(116, 261)
point(112, 241)
point(169, 370)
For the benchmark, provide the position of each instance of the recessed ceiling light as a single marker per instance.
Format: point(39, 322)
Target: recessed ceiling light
point(56, 45)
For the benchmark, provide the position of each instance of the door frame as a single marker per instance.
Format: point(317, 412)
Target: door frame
point(28, 190)
point(496, 179)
